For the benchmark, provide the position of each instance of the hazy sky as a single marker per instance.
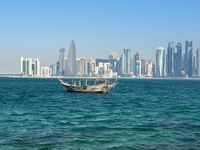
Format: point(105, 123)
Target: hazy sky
point(39, 28)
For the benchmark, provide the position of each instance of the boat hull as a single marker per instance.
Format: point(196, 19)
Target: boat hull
point(100, 88)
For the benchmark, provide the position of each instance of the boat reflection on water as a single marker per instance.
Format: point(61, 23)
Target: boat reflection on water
point(104, 87)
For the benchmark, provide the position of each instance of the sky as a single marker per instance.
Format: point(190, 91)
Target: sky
point(39, 28)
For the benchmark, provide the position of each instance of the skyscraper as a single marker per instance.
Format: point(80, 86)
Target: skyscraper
point(30, 66)
point(81, 66)
point(136, 58)
point(198, 62)
point(170, 59)
point(188, 58)
point(126, 62)
point(160, 62)
point(23, 66)
point(143, 66)
point(36, 66)
point(61, 61)
point(70, 69)
point(178, 60)
point(138, 68)
point(91, 67)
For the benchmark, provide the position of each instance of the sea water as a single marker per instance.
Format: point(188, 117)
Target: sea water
point(136, 114)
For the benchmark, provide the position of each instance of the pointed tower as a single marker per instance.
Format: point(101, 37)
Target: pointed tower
point(70, 69)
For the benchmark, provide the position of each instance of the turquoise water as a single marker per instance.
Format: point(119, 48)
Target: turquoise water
point(137, 114)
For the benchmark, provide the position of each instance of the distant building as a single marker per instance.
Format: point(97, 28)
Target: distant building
point(137, 57)
point(61, 61)
point(54, 71)
point(138, 68)
point(198, 62)
point(149, 70)
point(126, 62)
point(91, 64)
point(36, 66)
point(113, 56)
point(70, 69)
point(30, 66)
point(178, 60)
point(143, 67)
point(81, 66)
point(160, 62)
point(170, 59)
point(188, 57)
point(119, 66)
point(46, 71)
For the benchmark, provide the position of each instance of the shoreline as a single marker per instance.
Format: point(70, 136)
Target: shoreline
point(78, 77)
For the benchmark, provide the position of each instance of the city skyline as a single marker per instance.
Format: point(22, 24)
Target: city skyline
point(173, 62)
point(39, 29)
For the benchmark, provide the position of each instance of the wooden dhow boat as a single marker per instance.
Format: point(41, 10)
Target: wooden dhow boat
point(96, 88)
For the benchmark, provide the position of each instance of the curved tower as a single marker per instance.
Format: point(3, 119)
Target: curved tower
point(160, 62)
point(70, 69)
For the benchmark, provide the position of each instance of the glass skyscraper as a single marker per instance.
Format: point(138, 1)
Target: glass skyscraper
point(178, 60)
point(126, 62)
point(160, 62)
point(198, 62)
point(170, 59)
point(61, 61)
point(188, 58)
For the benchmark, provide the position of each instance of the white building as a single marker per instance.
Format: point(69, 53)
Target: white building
point(46, 71)
point(30, 66)
point(81, 66)
point(91, 67)
point(149, 68)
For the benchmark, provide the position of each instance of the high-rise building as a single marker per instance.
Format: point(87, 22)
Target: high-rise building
point(61, 61)
point(170, 59)
point(81, 66)
point(126, 62)
point(70, 69)
point(119, 66)
point(178, 60)
point(30, 67)
point(138, 68)
point(137, 57)
point(160, 62)
point(188, 58)
point(198, 62)
point(23, 66)
point(149, 68)
point(143, 66)
point(36, 66)
point(53, 69)
point(91, 67)
point(46, 71)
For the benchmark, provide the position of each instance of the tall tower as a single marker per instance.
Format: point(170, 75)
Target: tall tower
point(198, 62)
point(61, 61)
point(70, 69)
point(178, 60)
point(36, 68)
point(160, 62)
point(136, 63)
point(188, 58)
point(170, 59)
point(126, 62)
